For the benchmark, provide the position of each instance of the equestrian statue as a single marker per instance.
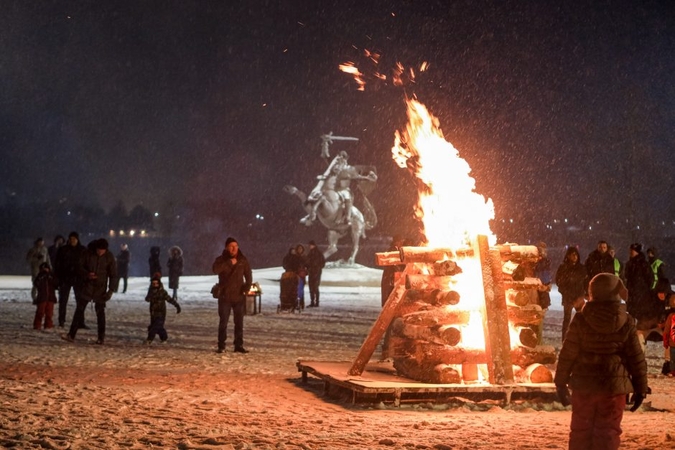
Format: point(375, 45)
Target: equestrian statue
point(332, 201)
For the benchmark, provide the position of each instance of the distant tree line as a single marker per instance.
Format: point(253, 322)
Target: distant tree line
point(40, 217)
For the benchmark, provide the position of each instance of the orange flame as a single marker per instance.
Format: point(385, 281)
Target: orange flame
point(350, 68)
point(451, 211)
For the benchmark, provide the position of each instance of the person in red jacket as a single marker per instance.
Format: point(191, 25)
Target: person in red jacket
point(669, 337)
point(45, 285)
point(601, 361)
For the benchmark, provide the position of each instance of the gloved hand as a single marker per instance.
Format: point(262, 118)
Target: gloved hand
point(108, 295)
point(564, 395)
point(177, 309)
point(636, 400)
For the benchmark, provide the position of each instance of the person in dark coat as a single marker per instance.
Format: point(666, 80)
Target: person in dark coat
point(123, 260)
point(638, 281)
point(598, 261)
point(601, 361)
point(45, 283)
point(158, 298)
point(315, 264)
point(98, 272)
point(175, 266)
point(68, 259)
point(288, 258)
point(570, 279)
point(389, 273)
point(54, 248)
point(299, 266)
point(153, 262)
point(234, 281)
point(542, 270)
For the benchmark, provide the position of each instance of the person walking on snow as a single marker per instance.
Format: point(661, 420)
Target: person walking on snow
point(158, 298)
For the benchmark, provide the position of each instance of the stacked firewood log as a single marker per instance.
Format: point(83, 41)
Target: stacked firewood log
point(424, 338)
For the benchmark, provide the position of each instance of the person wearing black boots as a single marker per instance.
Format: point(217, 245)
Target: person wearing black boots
point(234, 281)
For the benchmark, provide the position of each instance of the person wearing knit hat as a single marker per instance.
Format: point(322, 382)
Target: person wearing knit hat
point(601, 361)
point(234, 281)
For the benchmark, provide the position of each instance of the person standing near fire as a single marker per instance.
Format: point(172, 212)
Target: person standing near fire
point(618, 265)
point(639, 279)
point(602, 362)
point(234, 281)
point(658, 267)
point(570, 278)
point(598, 261)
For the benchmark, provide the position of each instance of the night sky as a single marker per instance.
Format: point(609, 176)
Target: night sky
point(562, 108)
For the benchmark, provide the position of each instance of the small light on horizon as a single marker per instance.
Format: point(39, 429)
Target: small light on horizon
point(132, 232)
point(156, 214)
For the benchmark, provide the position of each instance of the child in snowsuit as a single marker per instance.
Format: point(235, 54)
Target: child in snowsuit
point(601, 361)
point(158, 297)
point(45, 285)
point(669, 338)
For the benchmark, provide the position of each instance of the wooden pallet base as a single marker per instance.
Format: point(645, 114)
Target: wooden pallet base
point(379, 383)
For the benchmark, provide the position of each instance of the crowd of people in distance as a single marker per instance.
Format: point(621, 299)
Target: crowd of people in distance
point(93, 274)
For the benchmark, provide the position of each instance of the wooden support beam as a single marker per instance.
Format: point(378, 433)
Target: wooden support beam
point(379, 328)
point(496, 322)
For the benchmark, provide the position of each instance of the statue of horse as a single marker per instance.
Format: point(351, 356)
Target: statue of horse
point(331, 202)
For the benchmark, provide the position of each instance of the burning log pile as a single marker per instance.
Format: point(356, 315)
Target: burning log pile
point(457, 316)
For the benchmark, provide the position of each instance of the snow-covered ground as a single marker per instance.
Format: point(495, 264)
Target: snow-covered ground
point(55, 394)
